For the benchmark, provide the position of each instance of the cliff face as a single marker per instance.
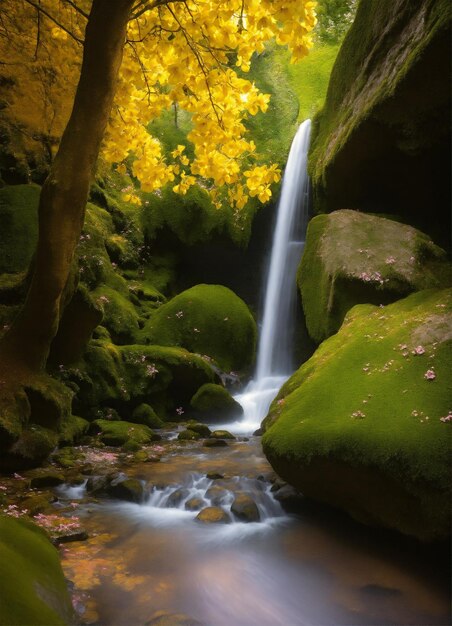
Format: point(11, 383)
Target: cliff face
point(382, 141)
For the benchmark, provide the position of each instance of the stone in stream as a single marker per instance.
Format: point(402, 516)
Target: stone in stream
point(176, 497)
point(221, 434)
point(216, 494)
point(201, 429)
point(214, 443)
point(213, 515)
point(130, 489)
point(245, 509)
point(194, 504)
point(290, 499)
point(46, 478)
point(214, 475)
point(188, 435)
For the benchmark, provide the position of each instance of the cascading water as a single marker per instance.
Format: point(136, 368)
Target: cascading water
point(275, 351)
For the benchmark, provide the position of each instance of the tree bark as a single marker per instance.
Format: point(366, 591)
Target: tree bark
point(65, 191)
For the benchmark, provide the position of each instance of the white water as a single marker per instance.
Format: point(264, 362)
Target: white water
point(275, 351)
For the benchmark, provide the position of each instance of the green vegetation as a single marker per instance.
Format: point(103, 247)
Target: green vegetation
point(34, 590)
point(353, 258)
point(215, 402)
point(19, 226)
point(309, 78)
point(209, 320)
point(370, 409)
point(119, 433)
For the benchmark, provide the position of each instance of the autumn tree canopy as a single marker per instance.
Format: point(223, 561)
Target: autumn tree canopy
point(189, 55)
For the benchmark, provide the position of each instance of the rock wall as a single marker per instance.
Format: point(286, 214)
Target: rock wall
point(382, 141)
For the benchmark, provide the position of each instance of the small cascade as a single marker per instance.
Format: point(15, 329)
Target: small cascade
point(275, 351)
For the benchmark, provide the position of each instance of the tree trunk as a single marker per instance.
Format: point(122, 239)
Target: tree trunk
point(65, 191)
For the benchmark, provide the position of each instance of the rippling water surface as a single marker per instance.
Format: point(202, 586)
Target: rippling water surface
point(315, 567)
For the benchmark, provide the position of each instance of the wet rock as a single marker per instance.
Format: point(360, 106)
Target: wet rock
point(47, 478)
point(162, 618)
point(213, 515)
point(97, 484)
point(37, 503)
point(214, 476)
point(194, 504)
point(245, 509)
point(216, 494)
point(289, 498)
point(188, 435)
point(201, 429)
point(258, 433)
point(70, 535)
point(176, 497)
point(214, 443)
point(130, 489)
point(221, 434)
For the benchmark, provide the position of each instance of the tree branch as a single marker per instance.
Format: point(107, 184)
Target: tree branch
point(77, 8)
point(52, 19)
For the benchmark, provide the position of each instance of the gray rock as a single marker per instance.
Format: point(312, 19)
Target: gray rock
point(245, 509)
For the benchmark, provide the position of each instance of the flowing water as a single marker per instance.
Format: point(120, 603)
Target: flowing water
point(276, 341)
point(314, 567)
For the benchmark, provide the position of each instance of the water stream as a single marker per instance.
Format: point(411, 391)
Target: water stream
point(276, 340)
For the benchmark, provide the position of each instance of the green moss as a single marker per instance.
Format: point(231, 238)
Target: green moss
point(72, 430)
point(120, 317)
point(19, 226)
point(118, 433)
point(165, 376)
point(353, 258)
point(309, 77)
point(215, 402)
point(145, 414)
point(363, 406)
point(34, 590)
point(209, 320)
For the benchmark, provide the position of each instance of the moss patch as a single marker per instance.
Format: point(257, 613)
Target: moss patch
point(215, 402)
point(369, 405)
point(34, 590)
point(353, 258)
point(19, 226)
point(209, 320)
point(119, 433)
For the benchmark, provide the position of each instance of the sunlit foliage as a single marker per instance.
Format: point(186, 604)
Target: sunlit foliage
point(186, 55)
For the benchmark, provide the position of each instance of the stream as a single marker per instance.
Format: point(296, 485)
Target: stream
point(310, 567)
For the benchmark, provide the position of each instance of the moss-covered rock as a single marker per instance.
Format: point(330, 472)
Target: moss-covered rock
point(19, 231)
point(352, 258)
point(214, 402)
point(209, 320)
point(34, 590)
point(145, 414)
point(73, 428)
point(381, 142)
point(365, 423)
point(188, 435)
point(118, 433)
point(120, 316)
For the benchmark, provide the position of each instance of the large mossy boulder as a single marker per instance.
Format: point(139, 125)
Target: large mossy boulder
point(355, 258)
point(382, 141)
point(119, 433)
point(31, 420)
point(214, 403)
point(123, 377)
point(365, 424)
point(208, 320)
point(34, 590)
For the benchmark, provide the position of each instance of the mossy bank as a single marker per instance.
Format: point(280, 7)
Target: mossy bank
point(365, 424)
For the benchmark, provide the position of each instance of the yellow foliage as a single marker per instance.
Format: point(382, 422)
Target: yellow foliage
point(182, 54)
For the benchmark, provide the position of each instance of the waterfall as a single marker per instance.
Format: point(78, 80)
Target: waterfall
point(275, 351)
